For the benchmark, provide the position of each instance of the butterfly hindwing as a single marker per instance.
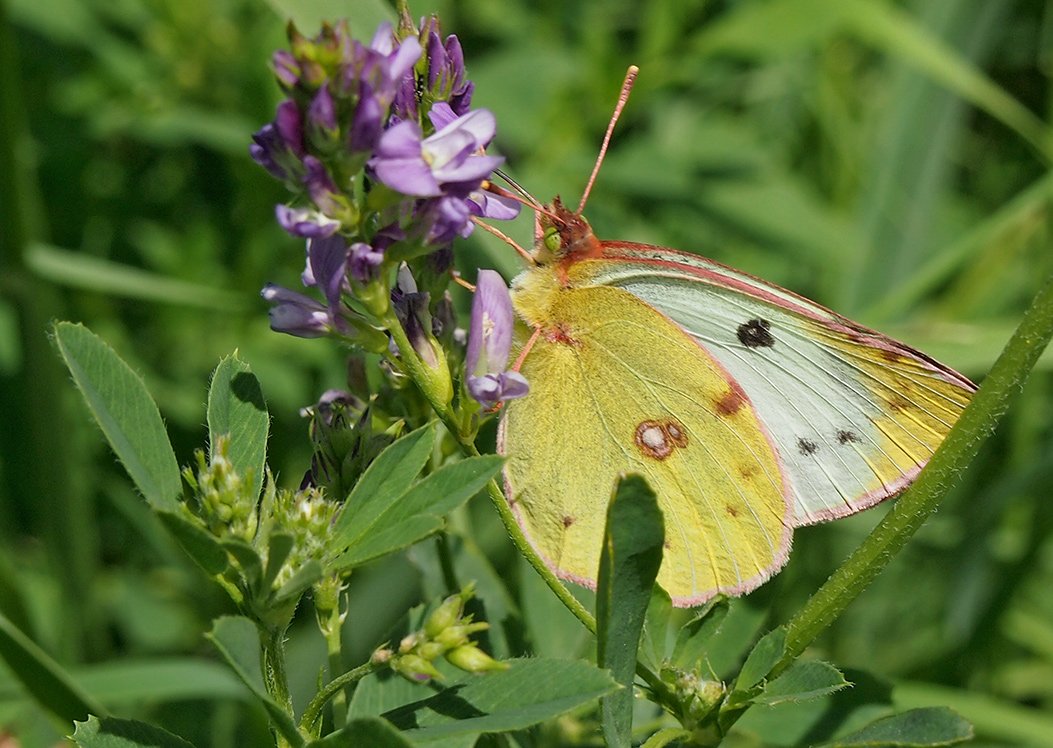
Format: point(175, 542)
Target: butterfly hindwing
point(854, 415)
point(615, 388)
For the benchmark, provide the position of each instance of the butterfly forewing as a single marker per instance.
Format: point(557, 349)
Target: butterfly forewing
point(853, 414)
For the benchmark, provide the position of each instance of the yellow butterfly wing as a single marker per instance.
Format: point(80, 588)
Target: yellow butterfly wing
point(853, 414)
point(616, 387)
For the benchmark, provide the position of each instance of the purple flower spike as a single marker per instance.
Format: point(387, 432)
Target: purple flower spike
point(310, 224)
point(489, 342)
point(296, 314)
point(419, 168)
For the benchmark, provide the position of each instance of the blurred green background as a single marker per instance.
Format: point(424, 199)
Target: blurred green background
point(888, 159)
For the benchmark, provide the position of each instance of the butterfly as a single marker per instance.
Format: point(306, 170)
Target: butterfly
point(750, 410)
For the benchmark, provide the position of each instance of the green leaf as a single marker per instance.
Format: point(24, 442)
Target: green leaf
point(42, 677)
point(152, 680)
point(692, 641)
point(667, 736)
point(110, 732)
point(765, 654)
point(238, 641)
point(81, 270)
point(655, 635)
point(530, 691)
point(279, 546)
point(391, 539)
point(248, 559)
point(298, 583)
point(418, 512)
point(928, 726)
point(236, 408)
point(448, 487)
point(201, 545)
point(387, 478)
point(364, 731)
point(125, 412)
point(629, 562)
point(802, 681)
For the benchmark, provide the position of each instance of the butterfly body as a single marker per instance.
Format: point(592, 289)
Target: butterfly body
point(749, 409)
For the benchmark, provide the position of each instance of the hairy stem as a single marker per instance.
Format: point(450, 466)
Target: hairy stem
point(313, 713)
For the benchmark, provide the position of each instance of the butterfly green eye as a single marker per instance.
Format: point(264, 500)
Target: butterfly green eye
point(551, 240)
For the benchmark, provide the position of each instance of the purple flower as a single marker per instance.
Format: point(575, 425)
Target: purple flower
point(487, 205)
point(321, 116)
point(440, 164)
point(268, 149)
point(310, 224)
point(296, 314)
point(327, 261)
point(447, 218)
point(320, 186)
point(446, 74)
point(411, 308)
point(364, 261)
point(286, 68)
point(289, 123)
point(367, 120)
point(489, 342)
point(382, 65)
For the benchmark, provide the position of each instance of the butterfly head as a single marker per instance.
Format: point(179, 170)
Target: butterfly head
point(564, 236)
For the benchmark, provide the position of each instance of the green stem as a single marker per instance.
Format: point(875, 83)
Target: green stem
point(274, 673)
point(313, 713)
point(449, 574)
point(332, 630)
point(921, 500)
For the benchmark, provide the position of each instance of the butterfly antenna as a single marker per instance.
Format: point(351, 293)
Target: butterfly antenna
point(528, 199)
point(505, 238)
point(627, 86)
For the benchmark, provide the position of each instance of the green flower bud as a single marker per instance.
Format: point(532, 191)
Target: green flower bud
point(431, 650)
point(446, 615)
point(414, 668)
point(474, 660)
point(455, 636)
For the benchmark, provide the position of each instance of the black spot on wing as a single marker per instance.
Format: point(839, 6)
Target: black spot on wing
point(806, 447)
point(756, 334)
point(844, 437)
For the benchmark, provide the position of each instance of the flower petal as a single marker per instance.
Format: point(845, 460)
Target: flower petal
point(490, 333)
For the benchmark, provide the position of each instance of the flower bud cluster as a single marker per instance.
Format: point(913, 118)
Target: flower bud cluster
point(307, 515)
point(445, 634)
point(226, 503)
point(225, 499)
point(697, 698)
